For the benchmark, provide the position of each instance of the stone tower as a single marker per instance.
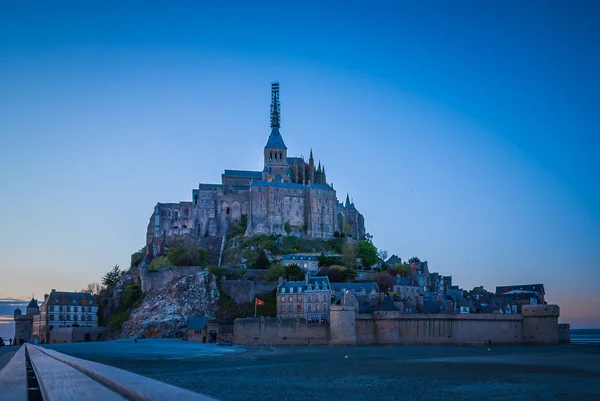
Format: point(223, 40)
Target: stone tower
point(276, 161)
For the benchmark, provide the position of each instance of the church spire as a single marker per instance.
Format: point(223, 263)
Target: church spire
point(347, 200)
point(275, 106)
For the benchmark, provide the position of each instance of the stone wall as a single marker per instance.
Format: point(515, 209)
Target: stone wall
point(156, 279)
point(537, 325)
point(433, 329)
point(564, 333)
point(279, 331)
point(75, 334)
point(245, 290)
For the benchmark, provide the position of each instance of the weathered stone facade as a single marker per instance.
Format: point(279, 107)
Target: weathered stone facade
point(537, 325)
point(288, 193)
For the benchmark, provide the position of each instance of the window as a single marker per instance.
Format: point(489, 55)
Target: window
point(291, 299)
point(299, 298)
point(310, 298)
point(309, 307)
point(291, 308)
point(299, 289)
point(60, 317)
point(50, 308)
point(299, 308)
point(282, 299)
point(324, 307)
point(282, 308)
point(89, 319)
point(291, 290)
point(74, 309)
point(324, 297)
point(51, 317)
point(316, 307)
point(283, 290)
point(61, 308)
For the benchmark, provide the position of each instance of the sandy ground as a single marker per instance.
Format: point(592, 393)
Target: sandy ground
point(6, 353)
point(360, 373)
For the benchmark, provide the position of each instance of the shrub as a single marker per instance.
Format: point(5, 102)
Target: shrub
point(288, 228)
point(161, 261)
point(262, 261)
point(193, 256)
point(276, 270)
point(115, 321)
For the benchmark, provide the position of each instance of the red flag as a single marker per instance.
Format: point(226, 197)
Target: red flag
point(259, 302)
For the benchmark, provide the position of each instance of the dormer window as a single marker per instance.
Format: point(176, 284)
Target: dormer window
point(283, 290)
point(291, 290)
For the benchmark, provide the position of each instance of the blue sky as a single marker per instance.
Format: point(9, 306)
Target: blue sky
point(466, 132)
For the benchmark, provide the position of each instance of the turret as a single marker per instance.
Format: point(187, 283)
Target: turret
point(17, 313)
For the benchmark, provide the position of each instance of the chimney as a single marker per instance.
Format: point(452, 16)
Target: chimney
point(53, 290)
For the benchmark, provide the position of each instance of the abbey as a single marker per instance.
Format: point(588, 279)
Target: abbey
point(289, 196)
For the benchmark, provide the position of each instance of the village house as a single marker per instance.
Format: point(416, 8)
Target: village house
point(62, 310)
point(308, 263)
point(307, 299)
point(203, 330)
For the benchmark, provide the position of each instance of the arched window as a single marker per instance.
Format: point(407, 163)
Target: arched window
point(309, 307)
point(316, 307)
point(324, 307)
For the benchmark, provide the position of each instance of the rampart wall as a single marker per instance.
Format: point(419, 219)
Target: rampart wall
point(538, 324)
point(264, 331)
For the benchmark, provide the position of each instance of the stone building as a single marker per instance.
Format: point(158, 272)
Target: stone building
point(24, 323)
point(290, 195)
point(62, 309)
point(308, 299)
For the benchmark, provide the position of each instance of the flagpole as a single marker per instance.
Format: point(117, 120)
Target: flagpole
point(255, 307)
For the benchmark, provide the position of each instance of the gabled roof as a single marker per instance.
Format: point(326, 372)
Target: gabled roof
point(69, 298)
point(524, 287)
point(299, 257)
point(355, 286)
point(197, 323)
point(406, 281)
point(243, 174)
point(33, 304)
point(275, 140)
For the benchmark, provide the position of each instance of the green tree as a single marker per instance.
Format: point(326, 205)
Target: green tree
point(276, 270)
point(401, 269)
point(349, 255)
point(112, 277)
point(244, 220)
point(262, 261)
point(367, 252)
point(414, 259)
point(288, 227)
point(193, 256)
point(294, 273)
point(161, 261)
point(174, 252)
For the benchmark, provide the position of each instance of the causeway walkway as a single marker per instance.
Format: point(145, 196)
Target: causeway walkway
point(36, 373)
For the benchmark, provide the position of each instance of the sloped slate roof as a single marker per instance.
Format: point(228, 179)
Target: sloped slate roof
point(69, 298)
point(299, 257)
point(243, 174)
point(275, 140)
point(355, 286)
point(33, 304)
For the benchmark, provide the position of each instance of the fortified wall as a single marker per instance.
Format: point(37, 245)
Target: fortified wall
point(538, 324)
point(279, 331)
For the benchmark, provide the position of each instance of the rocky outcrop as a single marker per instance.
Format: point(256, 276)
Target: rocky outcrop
point(166, 311)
